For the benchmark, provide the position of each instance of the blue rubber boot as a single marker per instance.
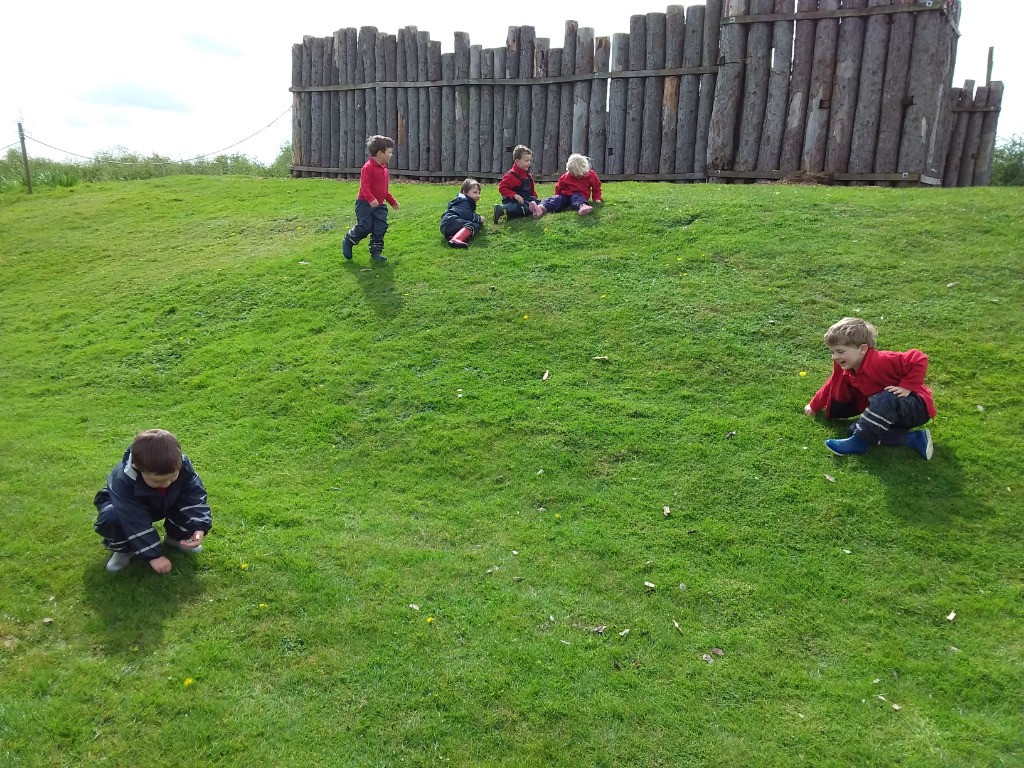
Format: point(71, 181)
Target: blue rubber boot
point(849, 447)
point(921, 441)
point(346, 248)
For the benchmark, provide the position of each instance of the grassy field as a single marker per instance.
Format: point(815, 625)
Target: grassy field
point(427, 553)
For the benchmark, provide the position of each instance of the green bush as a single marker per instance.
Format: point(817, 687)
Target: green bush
point(1008, 163)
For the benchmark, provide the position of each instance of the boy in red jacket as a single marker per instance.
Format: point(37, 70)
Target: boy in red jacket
point(575, 188)
point(518, 194)
point(885, 388)
point(371, 213)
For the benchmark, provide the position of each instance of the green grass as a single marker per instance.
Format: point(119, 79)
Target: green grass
point(319, 401)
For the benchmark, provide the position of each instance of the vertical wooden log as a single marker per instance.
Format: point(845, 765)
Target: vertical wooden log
point(728, 90)
point(367, 52)
point(510, 116)
point(799, 86)
point(337, 101)
point(412, 96)
point(894, 92)
point(353, 147)
point(307, 104)
point(635, 94)
point(527, 39)
point(597, 132)
point(951, 173)
point(581, 89)
point(972, 140)
point(617, 104)
point(486, 111)
point(926, 87)
point(327, 49)
point(401, 104)
point(675, 37)
point(567, 92)
point(449, 135)
point(498, 142)
point(473, 157)
point(689, 91)
point(552, 113)
point(654, 58)
point(539, 104)
point(938, 149)
point(461, 100)
point(316, 52)
point(844, 90)
point(296, 107)
point(755, 87)
point(709, 58)
point(390, 92)
point(379, 92)
point(427, 97)
point(332, 115)
point(987, 138)
point(434, 132)
point(770, 152)
point(943, 100)
point(869, 92)
point(819, 103)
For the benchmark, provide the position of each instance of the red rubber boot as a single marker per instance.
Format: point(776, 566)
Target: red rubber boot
point(461, 238)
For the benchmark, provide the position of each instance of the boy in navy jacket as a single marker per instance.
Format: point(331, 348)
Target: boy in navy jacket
point(460, 222)
point(154, 481)
point(886, 389)
point(518, 194)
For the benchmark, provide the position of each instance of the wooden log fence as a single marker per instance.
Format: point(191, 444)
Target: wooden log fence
point(837, 91)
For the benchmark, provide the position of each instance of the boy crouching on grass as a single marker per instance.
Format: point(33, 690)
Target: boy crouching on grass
point(154, 481)
point(885, 388)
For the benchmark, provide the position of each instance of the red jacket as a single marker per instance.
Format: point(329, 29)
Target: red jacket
point(878, 369)
point(373, 183)
point(516, 181)
point(587, 185)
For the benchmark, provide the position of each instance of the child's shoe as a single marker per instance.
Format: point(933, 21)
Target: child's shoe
point(118, 561)
point(499, 211)
point(461, 238)
point(585, 209)
point(921, 441)
point(346, 248)
point(848, 447)
point(378, 258)
point(177, 545)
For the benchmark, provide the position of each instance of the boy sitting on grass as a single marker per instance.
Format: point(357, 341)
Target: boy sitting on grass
point(154, 481)
point(885, 388)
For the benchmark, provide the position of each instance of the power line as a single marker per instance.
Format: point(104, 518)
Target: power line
point(159, 162)
point(12, 144)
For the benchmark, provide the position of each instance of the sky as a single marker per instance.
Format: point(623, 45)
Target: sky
point(193, 78)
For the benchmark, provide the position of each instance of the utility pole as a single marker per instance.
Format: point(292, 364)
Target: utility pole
point(24, 157)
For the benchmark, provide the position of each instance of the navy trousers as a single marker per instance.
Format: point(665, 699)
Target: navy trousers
point(888, 417)
point(557, 203)
point(515, 210)
point(108, 525)
point(372, 222)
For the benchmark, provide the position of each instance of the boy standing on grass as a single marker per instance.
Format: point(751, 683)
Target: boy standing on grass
point(518, 194)
point(154, 481)
point(371, 213)
point(461, 221)
point(575, 188)
point(885, 388)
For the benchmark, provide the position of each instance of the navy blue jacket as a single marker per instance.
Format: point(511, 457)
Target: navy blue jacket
point(461, 213)
point(137, 506)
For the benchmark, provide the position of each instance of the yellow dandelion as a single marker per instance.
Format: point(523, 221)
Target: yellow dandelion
point(188, 681)
point(526, 317)
point(135, 648)
point(679, 258)
point(558, 516)
point(430, 619)
point(604, 295)
point(263, 605)
point(803, 373)
point(245, 566)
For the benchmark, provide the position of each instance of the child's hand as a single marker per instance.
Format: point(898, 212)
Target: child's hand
point(374, 203)
point(808, 411)
point(518, 199)
point(898, 391)
point(395, 205)
point(160, 564)
point(596, 200)
point(194, 541)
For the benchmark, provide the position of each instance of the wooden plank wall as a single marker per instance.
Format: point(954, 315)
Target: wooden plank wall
point(843, 91)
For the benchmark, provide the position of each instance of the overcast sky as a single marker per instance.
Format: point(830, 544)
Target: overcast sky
point(189, 78)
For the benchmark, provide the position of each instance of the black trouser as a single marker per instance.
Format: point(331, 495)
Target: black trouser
point(517, 210)
point(372, 222)
point(888, 417)
point(450, 227)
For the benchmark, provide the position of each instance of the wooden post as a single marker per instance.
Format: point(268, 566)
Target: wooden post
point(819, 101)
point(355, 143)
point(926, 82)
point(307, 105)
point(367, 52)
point(597, 135)
point(581, 89)
point(709, 58)
point(689, 91)
point(675, 36)
point(844, 93)
point(390, 93)
point(987, 139)
point(449, 135)
point(24, 158)
point(316, 114)
point(510, 139)
point(769, 152)
point(539, 102)
point(461, 99)
point(412, 96)
point(894, 92)
point(434, 135)
point(799, 86)
point(296, 108)
point(635, 94)
point(379, 66)
point(335, 103)
point(617, 104)
point(567, 90)
point(473, 156)
point(938, 148)
point(498, 142)
point(650, 134)
point(401, 103)
point(429, 157)
point(869, 93)
point(486, 111)
point(728, 90)
point(527, 35)
point(965, 96)
point(991, 61)
point(972, 140)
point(939, 101)
point(755, 87)
point(552, 115)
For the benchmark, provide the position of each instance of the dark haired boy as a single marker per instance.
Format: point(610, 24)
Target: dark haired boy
point(371, 213)
point(154, 481)
point(518, 193)
point(885, 389)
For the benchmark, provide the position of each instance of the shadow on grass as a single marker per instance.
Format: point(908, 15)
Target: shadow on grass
point(378, 284)
point(132, 606)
